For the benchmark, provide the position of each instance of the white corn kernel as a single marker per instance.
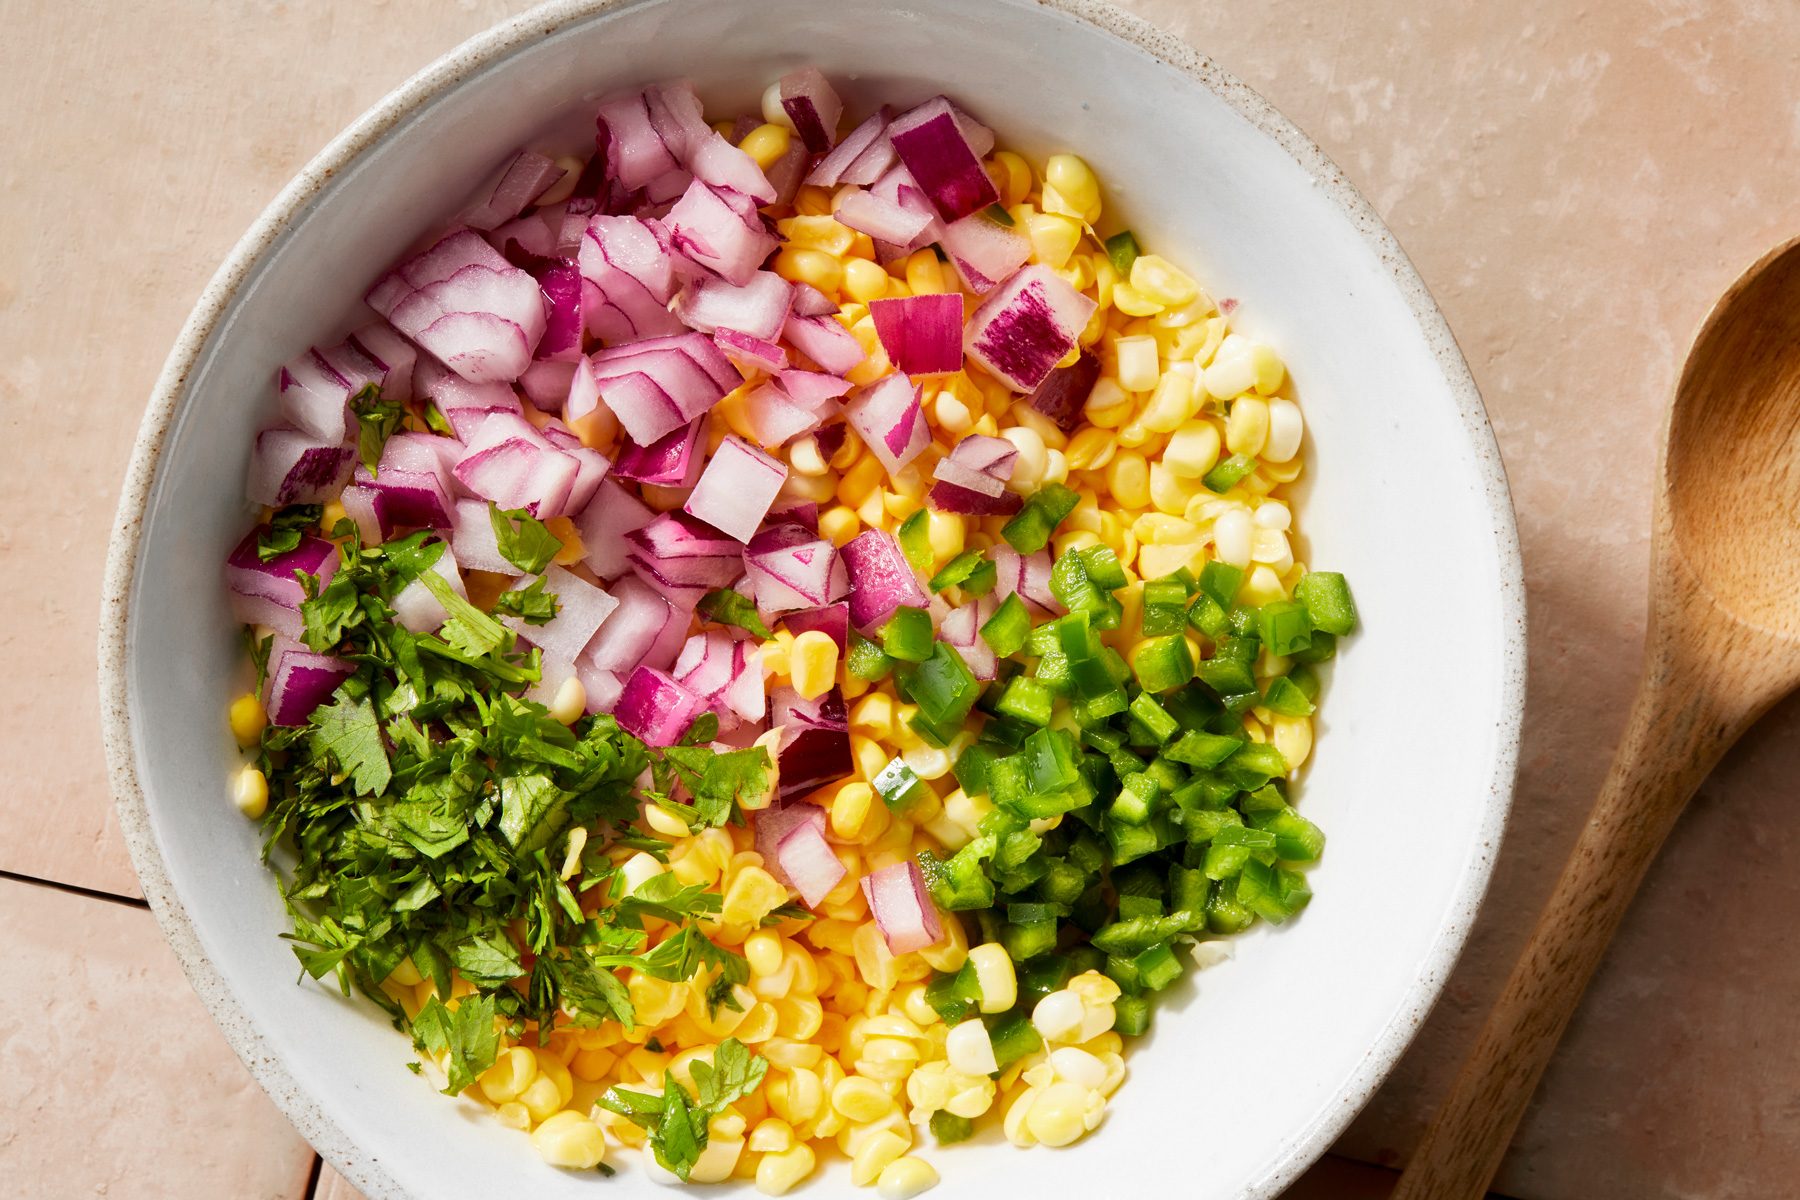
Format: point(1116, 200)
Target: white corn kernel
point(1034, 456)
point(905, 1178)
point(804, 457)
point(1285, 429)
point(638, 870)
point(995, 976)
point(1138, 364)
point(772, 110)
point(570, 703)
point(250, 792)
point(1231, 537)
point(1057, 1015)
point(1272, 514)
point(970, 1049)
point(1077, 1066)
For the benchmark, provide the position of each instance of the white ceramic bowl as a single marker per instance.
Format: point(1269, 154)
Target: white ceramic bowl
point(1244, 1080)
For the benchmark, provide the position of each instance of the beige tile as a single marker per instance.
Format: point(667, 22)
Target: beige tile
point(118, 1083)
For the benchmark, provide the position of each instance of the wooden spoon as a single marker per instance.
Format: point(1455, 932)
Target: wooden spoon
point(1723, 646)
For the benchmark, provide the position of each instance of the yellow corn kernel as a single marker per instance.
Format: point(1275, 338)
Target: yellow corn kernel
point(804, 457)
point(870, 758)
point(1247, 426)
point(799, 265)
point(875, 1155)
point(1014, 1124)
point(511, 1074)
point(950, 951)
point(1075, 182)
point(661, 820)
point(1108, 405)
point(924, 274)
point(771, 1136)
point(861, 1100)
point(1012, 176)
point(1157, 279)
point(753, 895)
point(248, 719)
point(1193, 449)
point(569, 1140)
point(995, 977)
point(1053, 238)
point(541, 1097)
point(778, 1173)
point(873, 715)
point(839, 524)
point(1172, 403)
point(860, 481)
point(1133, 303)
point(1128, 480)
point(1139, 367)
point(864, 281)
point(850, 809)
point(766, 144)
point(250, 792)
point(946, 532)
point(1268, 368)
point(905, 1178)
point(1056, 1116)
point(1169, 492)
point(591, 1066)
point(1094, 988)
point(813, 663)
point(1090, 449)
point(1293, 736)
point(874, 961)
point(763, 951)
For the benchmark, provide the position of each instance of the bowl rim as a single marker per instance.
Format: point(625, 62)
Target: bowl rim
point(310, 1118)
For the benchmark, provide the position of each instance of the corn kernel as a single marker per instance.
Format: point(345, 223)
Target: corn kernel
point(813, 663)
point(1231, 537)
point(766, 144)
point(905, 1178)
point(1128, 479)
point(864, 281)
point(1075, 182)
point(1057, 1117)
point(1139, 366)
point(1193, 449)
point(511, 1074)
point(248, 719)
point(541, 1097)
point(1012, 176)
point(1053, 238)
point(995, 976)
point(816, 267)
point(1285, 430)
point(1247, 426)
point(569, 1140)
point(850, 807)
point(1034, 456)
point(1157, 279)
point(874, 715)
point(753, 895)
point(924, 274)
point(779, 1172)
point(1172, 404)
point(875, 1154)
point(860, 481)
point(861, 1100)
point(250, 792)
point(1133, 303)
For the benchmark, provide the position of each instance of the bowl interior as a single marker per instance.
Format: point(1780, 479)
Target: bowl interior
point(1268, 1056)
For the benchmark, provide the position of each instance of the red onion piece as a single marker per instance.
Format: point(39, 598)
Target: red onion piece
point(881, 580)
point(898, 187)
point(978, 463)
point(883, 219)
point(1029, 576)
point(812, 867)
point(466, 405)
point(560, 281)
point(581, 608)
point(366, 508)
point(509, 462)
point(659, 384)
point(314, 395)
point(720, 231)
point(603, 524)
point(736, 488)
point(950, 498)
point(392, 355)
point(415, 487)
point(460, 299)
point(888, 417)
point(1063, 395)
point(591, 467)
point(526, 239)
point(1027, 326)
point(815, 741)
point(288, 466)
point(670, 461)
point(677, 116)
point(812, 104)
point(770, 825)
point(831, 439)
point(773, 416)
point(300, 681)
point(983, 251)
point(832, 619)
point(644, 628)
point(655, 709)
point(788, 568)
point(603, 687)
point(932, 144)
point(921, 334)
point(528, 176)
point(629, 262)
point(708, 666)
point(683, 559)
point(809, 301)
point(960, 629)
point(813, 390)
point(786, 172)
point(830, 171)
point(547, 384)
point(472, 539)
point(824, 341)
point(417, 609)
point(759, 307)
point(788, 510)
point(269, 593)
point(635, 153)
point(748, 351)
point(746, 696)
point(902, 908)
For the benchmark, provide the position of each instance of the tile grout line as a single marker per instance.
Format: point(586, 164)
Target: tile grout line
point(74, 889)
point(315, 1178)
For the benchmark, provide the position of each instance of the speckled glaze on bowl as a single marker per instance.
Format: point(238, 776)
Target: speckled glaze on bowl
point(1248, 1077)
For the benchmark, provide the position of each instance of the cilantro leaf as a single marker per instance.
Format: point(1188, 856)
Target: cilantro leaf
point(488, 959)
point(469, 630)
point(466, 1033)
point(592, 994)
point(724, 606)
point(436, 422)
point(677, 1122)
point(734, 1073)
point(377, 421)
point(533, 810)
point(327, 614)
point(522, 539)
point(286, 528)
point(348, 733)
point(677, 1142)
point(532, 603)
point(665, 897)
point(413, 555)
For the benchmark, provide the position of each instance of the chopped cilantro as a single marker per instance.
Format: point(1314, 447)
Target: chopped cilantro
point(286, 528)
point(377, 421)
point(466, 1033)
point(522, 539)
point(348, 733)
point(678, 1123)
point(532, 603)
point(724, 606)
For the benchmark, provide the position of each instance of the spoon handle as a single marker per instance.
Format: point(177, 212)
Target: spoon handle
point(1680, 726)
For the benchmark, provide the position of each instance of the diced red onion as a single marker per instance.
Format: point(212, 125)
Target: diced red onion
point(872, 163)
point(655, 709)
point(815, 741)
point(314, 395)
point(1029, 576)
point(790, 510)
point(603, 524)
point(719, 230)
point(736, 488)
point(786, 173)
point(813, 106)
point(511, 463)
point(881, 580)
point(466, 405)
point(528, 176)
point(921, 334)
point(581, 608)
point(824, 341)
point(660, 384)
point(677, 116)
point(758, 354)
point(961, 630)
point(789, 567)
point(288, 466)
point(525, 239)
point(814, 390)
point(644, 628)
point(881, 218)
point(473, 542)
point(670, 461)
point(983, 251)
point(812, 867)
point(300, 681)
point(770, 825)
point(948, 497)
point(830, 170)
point(635, 153)
point(758, 307)
point(745, 695)
point(630, 263)
point(932, 144)
point(392, 355)
point(591, 468)
point(603, 687)
point(460, 299)
point(1027, 326)
point(416, 608)
point(560, 280)
point(547, 384)
point(366, 507)
point(710, 664)
point(773, 416)
point(809, 301)
point(979, 464)
point(887, 415)
point(898, 187)
point(902, 907)
point(269, 593)
point(411, 477)
point(831, 439)
point(683, 559)
point(1063, 395)
point(832, 619)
